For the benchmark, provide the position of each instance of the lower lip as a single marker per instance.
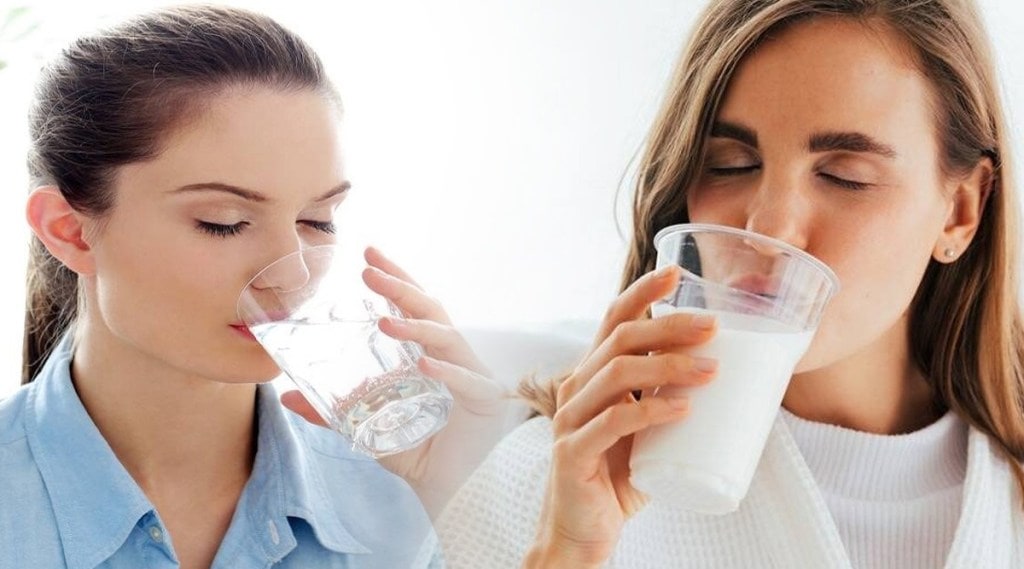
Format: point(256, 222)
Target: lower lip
point(244, 331)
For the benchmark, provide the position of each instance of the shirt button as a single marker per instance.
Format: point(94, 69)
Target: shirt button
point(274, 536)
point(156, 534)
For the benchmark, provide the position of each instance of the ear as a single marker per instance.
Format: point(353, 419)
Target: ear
point(61, 229)
point(966, 205)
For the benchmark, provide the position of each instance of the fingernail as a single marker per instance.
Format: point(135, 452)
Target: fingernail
point(706, 365)
point(703, 321)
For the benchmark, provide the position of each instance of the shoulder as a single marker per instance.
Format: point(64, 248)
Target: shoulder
point(15, 454)
point(28, 529)
point(12, 412)
point(375, 501)
point(329, 450)
point(492, 519)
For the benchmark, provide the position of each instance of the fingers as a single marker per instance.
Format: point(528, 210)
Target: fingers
point(439, 341)
point(584, 450)
point(477, 394)
point(377, 259)
point(405, 295)
point(632, 303)
point(295, 401)
point(639, 337)
point(631, 373)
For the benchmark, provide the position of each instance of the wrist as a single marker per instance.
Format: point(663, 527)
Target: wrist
point(551, 556)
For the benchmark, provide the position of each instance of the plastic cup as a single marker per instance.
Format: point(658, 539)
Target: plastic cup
point(311, 311)
point(768, 297)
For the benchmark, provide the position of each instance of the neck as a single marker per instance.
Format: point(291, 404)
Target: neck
point(877, 390)
point(173, 432)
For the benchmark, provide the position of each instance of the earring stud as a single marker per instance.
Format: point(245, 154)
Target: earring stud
point(949, 252)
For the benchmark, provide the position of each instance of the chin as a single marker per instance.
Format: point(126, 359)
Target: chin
point(253, 368)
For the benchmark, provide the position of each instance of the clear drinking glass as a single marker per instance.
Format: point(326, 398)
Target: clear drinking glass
point(311, 311)
point(768, 297)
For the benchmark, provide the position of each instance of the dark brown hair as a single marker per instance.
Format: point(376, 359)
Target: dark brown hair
point(112, 98)
point(966, 332)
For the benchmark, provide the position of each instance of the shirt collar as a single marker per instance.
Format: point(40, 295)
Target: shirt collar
point(95, 501)
point(97, 504)
point(287, 481)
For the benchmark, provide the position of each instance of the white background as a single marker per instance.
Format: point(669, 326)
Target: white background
point(487, 140)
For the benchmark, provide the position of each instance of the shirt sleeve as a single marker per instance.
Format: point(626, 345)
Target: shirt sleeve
point(492, 520)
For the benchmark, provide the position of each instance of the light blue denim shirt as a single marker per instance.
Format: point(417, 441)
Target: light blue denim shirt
point(311, 502)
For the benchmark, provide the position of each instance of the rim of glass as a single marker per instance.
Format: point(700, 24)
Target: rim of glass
point(314, 248)
point(779, 244)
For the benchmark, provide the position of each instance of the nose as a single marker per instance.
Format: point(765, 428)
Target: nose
point(779, 211)
point(287, 270)
point(287, 274)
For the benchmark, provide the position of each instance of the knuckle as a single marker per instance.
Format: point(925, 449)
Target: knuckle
point(563, 450)
point(564, 392)
point(561, 424)
point(677, 365)
point(617, 366)
point(428, 299)
point(619, 339)
point(668, 324)
point(611, 314)
point(616, 418)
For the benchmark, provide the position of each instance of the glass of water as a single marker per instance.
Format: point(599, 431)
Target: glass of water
point(311, 311)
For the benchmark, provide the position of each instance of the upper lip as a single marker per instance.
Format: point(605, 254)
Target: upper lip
point(269, 316)
point(761, 285)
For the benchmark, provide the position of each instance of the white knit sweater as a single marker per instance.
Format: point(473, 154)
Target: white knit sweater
point(895, 499)
point(784, 521)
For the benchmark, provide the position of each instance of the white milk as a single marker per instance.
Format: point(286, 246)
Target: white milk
point(705, 462)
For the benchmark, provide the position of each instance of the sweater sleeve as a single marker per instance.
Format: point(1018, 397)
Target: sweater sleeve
point(491, 521)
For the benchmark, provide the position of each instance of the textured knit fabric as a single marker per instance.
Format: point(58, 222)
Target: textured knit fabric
point(784, 522)
point(895, 499)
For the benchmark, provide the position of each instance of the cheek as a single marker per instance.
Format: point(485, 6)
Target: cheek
point(879, 275)
point(717, 205)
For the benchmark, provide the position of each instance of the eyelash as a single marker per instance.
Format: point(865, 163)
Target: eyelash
point(841, 182)
point(740, 171)
point(221, 230)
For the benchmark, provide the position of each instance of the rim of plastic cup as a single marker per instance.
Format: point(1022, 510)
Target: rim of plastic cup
point(713, 228)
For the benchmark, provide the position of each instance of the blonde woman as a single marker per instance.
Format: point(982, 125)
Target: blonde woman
point(868, 133)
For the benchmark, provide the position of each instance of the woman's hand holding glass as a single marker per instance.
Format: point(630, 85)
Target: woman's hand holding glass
point(589, 496)
point(437, 467)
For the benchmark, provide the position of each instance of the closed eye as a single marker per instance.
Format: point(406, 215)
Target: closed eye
point(322, 226)
point(734, 170)
point(220, 229)
point(843, 182)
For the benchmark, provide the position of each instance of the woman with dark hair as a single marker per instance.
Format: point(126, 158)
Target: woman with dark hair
point(173, 156)
point(870, 134)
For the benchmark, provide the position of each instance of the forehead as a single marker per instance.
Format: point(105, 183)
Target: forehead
point(264, 139)
point(830, 74)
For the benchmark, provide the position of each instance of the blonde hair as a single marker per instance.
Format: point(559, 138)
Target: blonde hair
point(966, 332)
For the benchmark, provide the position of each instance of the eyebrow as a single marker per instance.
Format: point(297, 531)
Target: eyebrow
point(253, 195)
point(820, 142)
point(734, 131)
point(849, 142)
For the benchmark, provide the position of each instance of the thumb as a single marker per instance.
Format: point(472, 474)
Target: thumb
point(297, 403)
